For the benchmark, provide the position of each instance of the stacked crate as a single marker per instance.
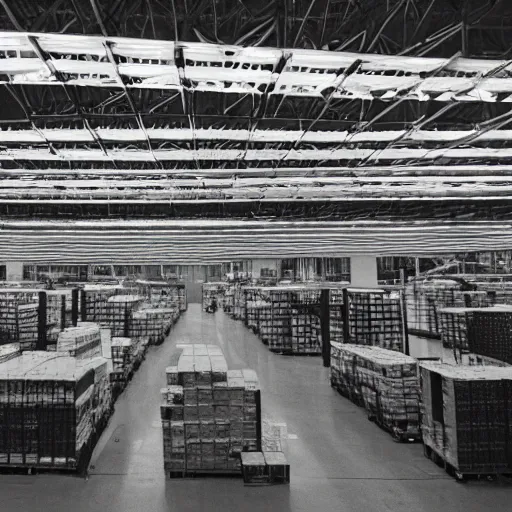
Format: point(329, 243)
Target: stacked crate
point(466, 417)
point(375, 318)
point(83, 341)
point(51, 409)
point(209, 414)
point(385, 382)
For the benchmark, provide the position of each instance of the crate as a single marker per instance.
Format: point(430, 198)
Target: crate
point(51, 407)
point(466, 417)
point(278, 469)
point(254, 468)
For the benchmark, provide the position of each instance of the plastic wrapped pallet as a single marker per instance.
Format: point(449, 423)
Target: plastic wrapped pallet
point(209, 413)
point(83, 341)
point(51, 407)
point(385, 382)
point(467, 416)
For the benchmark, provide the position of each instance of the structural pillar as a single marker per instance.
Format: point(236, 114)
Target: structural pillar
point(363, 272)
point(42, 322)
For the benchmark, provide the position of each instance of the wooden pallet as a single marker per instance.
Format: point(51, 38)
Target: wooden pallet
point(463, 476)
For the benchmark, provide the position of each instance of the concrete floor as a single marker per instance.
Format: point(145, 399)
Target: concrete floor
point(339, 460)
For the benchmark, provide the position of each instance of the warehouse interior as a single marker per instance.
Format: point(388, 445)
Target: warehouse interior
point(255, 256)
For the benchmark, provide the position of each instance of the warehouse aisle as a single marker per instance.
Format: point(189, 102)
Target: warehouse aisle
point(339, 460)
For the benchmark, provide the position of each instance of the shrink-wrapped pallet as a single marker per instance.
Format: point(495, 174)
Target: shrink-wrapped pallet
point(82, 341)
point(467, 416)
point(51, 407)
point(385, 382)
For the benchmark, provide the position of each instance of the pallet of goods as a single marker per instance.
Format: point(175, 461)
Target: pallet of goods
point(122, 360)
point(19, 320)
point(82, 342)
point(375, 318)
point(52, 410)
point(453, 328)
point(384, 382)
point(94, 299)
point(489, 332)
point(209, 414)
point(425, 300)
point(152, 323)
point(466, 414)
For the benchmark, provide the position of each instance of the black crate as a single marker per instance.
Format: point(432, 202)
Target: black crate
point(278, 468)
point(254, 468)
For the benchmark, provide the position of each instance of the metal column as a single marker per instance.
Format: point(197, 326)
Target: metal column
point(42, 340)
point(325, 326)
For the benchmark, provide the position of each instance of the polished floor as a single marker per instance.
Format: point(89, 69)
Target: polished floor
point(340, 462)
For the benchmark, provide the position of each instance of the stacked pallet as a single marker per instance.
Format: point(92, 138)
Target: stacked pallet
point(152, 323)
point(489, 332)
point(160, 294)
point(466, 417)
point(52, 408)
point(83, 341)
point(385, 382)
point(209, 414)
point(375, 318)
point(19, 320)
point(94, 299)
point(122, 360)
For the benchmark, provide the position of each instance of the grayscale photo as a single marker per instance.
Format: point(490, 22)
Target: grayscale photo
point(255, 255)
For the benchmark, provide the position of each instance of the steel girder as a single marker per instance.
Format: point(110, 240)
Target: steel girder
point(409, 27)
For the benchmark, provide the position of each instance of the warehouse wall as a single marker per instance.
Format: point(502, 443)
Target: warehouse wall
point(257, 265)
point(14, 271)
point(363, 270)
